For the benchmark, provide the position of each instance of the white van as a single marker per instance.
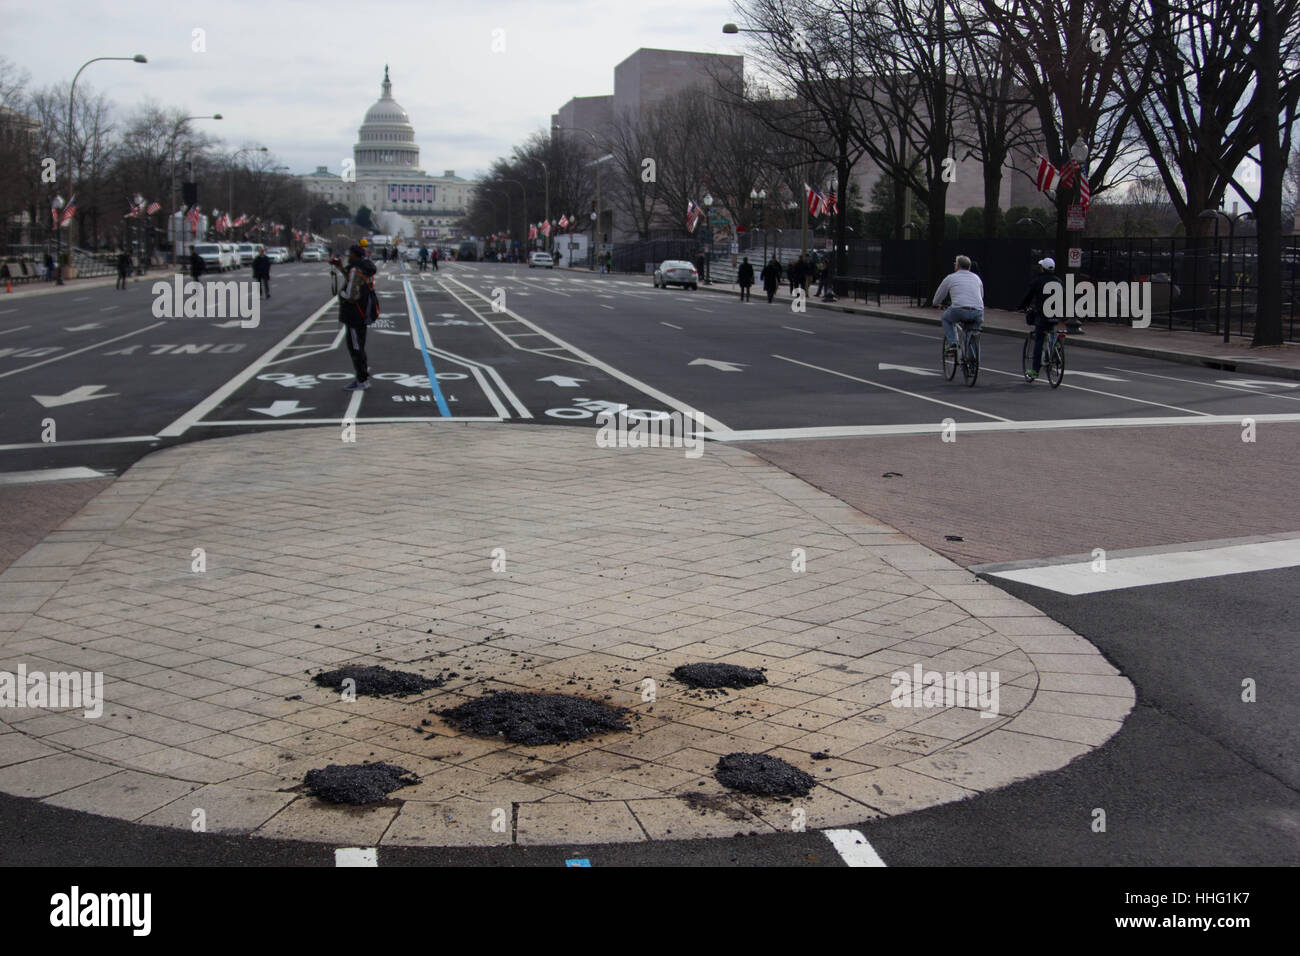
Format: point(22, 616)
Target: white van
point(229, 256)
point(247, 252)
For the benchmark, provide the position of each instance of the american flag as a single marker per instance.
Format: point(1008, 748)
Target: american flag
point(192, 217)
point(817, 203)
point(564, 221)
point(532, 232)
point(831, 204)
point(153, 208)
point(546, 228)
point(54, 214)
point(1046, 174)
point(1085, 193)
point(69, 211)
point(692, 215)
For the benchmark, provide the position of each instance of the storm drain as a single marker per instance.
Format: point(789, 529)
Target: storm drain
point(718, 675)
point(357, 783)
point(379, 681)
point(534, 718)
point(762, 775)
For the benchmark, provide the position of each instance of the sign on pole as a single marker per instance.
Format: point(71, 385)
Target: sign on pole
point(1076, 258)
point(1074, 219)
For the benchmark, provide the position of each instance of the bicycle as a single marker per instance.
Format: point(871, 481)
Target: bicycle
point(1054, 354)
point(966, 355)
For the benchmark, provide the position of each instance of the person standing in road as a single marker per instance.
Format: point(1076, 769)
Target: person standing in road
point(123, 269)
point(771, 277)
point(1033, 301)
point(745, 278)
point(262, 272)
point(196, 265)
point(437, 254)
point(357, 275)
point(424, 257)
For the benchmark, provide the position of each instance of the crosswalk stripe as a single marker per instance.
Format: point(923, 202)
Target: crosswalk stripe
point(853, 848)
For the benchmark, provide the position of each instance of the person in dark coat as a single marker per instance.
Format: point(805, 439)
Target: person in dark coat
point(1036, 314)
point(745, 278)
point(123, 268)
point(771, 277)
point(262, 271)
point(352, 311)
point(196, 265)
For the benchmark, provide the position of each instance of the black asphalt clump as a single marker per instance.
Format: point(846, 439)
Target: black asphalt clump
point(357, 783)
point(379, 681)
point(763, 775)
point(535, 718)
point(718, 675)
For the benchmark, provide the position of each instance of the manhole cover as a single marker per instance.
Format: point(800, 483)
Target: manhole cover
point(762, 775)
point(357, 783)
point(534, 718)
point(376, 681)
point(718, 675)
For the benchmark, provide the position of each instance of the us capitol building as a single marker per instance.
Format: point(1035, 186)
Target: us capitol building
point(403, 199)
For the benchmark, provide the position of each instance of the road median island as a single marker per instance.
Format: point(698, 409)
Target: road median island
point(889, 676)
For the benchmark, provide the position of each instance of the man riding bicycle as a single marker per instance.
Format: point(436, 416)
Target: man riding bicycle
point(1034, 299)
point(966, 291)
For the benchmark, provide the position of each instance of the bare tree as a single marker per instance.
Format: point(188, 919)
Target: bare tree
point(633, 190)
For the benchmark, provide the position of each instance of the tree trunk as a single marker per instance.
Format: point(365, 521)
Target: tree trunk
point(992, 194)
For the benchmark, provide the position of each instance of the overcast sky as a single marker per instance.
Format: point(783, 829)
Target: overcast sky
point(298, 76)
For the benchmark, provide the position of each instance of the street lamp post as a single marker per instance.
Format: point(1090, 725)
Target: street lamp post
point(708, 221)
point(72, 98)
point(756, 198)
point(177, 242)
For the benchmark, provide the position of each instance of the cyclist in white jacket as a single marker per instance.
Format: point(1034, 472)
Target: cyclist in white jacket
point(966, 291)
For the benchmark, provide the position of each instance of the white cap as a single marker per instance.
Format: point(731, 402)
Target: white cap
point(1049, 263)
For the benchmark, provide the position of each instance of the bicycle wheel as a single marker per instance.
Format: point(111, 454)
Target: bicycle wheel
point(950, 360)
point(971, 367)
point(1027, 357)
point(1056, 363)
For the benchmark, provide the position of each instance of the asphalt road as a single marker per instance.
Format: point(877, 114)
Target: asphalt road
point(1194, 778)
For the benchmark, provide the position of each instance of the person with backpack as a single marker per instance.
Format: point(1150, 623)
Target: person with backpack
point(745, 278)
point(358, 308)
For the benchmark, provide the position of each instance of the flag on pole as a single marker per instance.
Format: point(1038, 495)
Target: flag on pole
point(69, 211)
point(54, 213)
point(1085, 193)
point(1046, 174)
point(546, 229)
point(831, 204)
point(564, 221)
point(153, 208)
point(532, 232)
point(692, 215)
point(814, 200)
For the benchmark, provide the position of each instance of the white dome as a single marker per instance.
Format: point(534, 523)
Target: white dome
point(386, 139)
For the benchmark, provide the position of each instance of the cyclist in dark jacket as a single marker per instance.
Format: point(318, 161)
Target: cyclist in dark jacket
point(1033, 301)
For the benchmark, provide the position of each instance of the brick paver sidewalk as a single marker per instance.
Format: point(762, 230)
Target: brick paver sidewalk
point(620, 564)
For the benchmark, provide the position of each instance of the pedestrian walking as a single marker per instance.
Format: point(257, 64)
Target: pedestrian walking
point(771, 277)
point(745, 278)
point(262, 272)
point(354, 303)
point(123, 269)
point(437, 254)
point(196, 265)
point(49, 266)
point(424, 257)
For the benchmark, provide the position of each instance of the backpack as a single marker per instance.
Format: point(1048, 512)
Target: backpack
point(368, 300)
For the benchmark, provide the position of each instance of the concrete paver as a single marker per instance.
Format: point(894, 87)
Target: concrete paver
point(618, 566)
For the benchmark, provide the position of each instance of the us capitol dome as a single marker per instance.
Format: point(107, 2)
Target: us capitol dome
point(402, 198)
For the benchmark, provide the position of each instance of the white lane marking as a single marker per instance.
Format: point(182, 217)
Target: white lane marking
point(706, 420)
point(1144, 570)
point(334, 421)
point(853, 848)
point(1098, 375)
point(934, 428)
point(1223, 383)
point(911, 369)
point(671, 326)
point(1096, 391)
point(6, 312)
point(698, 309)
point(80, 441)
point(604, 306)
point(919, 335)
point(59, 358)
point(191, 418)
point(16, 328)
point(49, 474)
point(108, 308)
point(354, 405)
point(793, 329)
point(890, 388)
point(356, 856)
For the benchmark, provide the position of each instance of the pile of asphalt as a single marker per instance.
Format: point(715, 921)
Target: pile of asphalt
point(718, 675)
point(534, 718)
point(357, 783)
point(762, 775)
point(375, 681)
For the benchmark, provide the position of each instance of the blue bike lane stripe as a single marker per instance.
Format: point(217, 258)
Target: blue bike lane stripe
point(417, 321)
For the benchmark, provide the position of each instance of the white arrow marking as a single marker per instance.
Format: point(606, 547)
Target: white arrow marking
point(720, 366)
point(81, 328)
point(1257, 383)
point(906, 368)
point(562, 380)
point(280, 408)
point(1104, 378)
point(82, 393)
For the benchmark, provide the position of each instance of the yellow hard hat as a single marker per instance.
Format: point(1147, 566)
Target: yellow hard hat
point(364, 243)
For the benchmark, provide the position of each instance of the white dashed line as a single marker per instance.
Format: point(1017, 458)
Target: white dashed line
point(853, 848)
point(671, 326)
point(793, 329)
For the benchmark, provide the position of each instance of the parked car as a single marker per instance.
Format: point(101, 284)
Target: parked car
point(210, 252)
point(247, 252)
point(277, 253)
point(676, 272)
point(541, 260)
point(313, 254)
